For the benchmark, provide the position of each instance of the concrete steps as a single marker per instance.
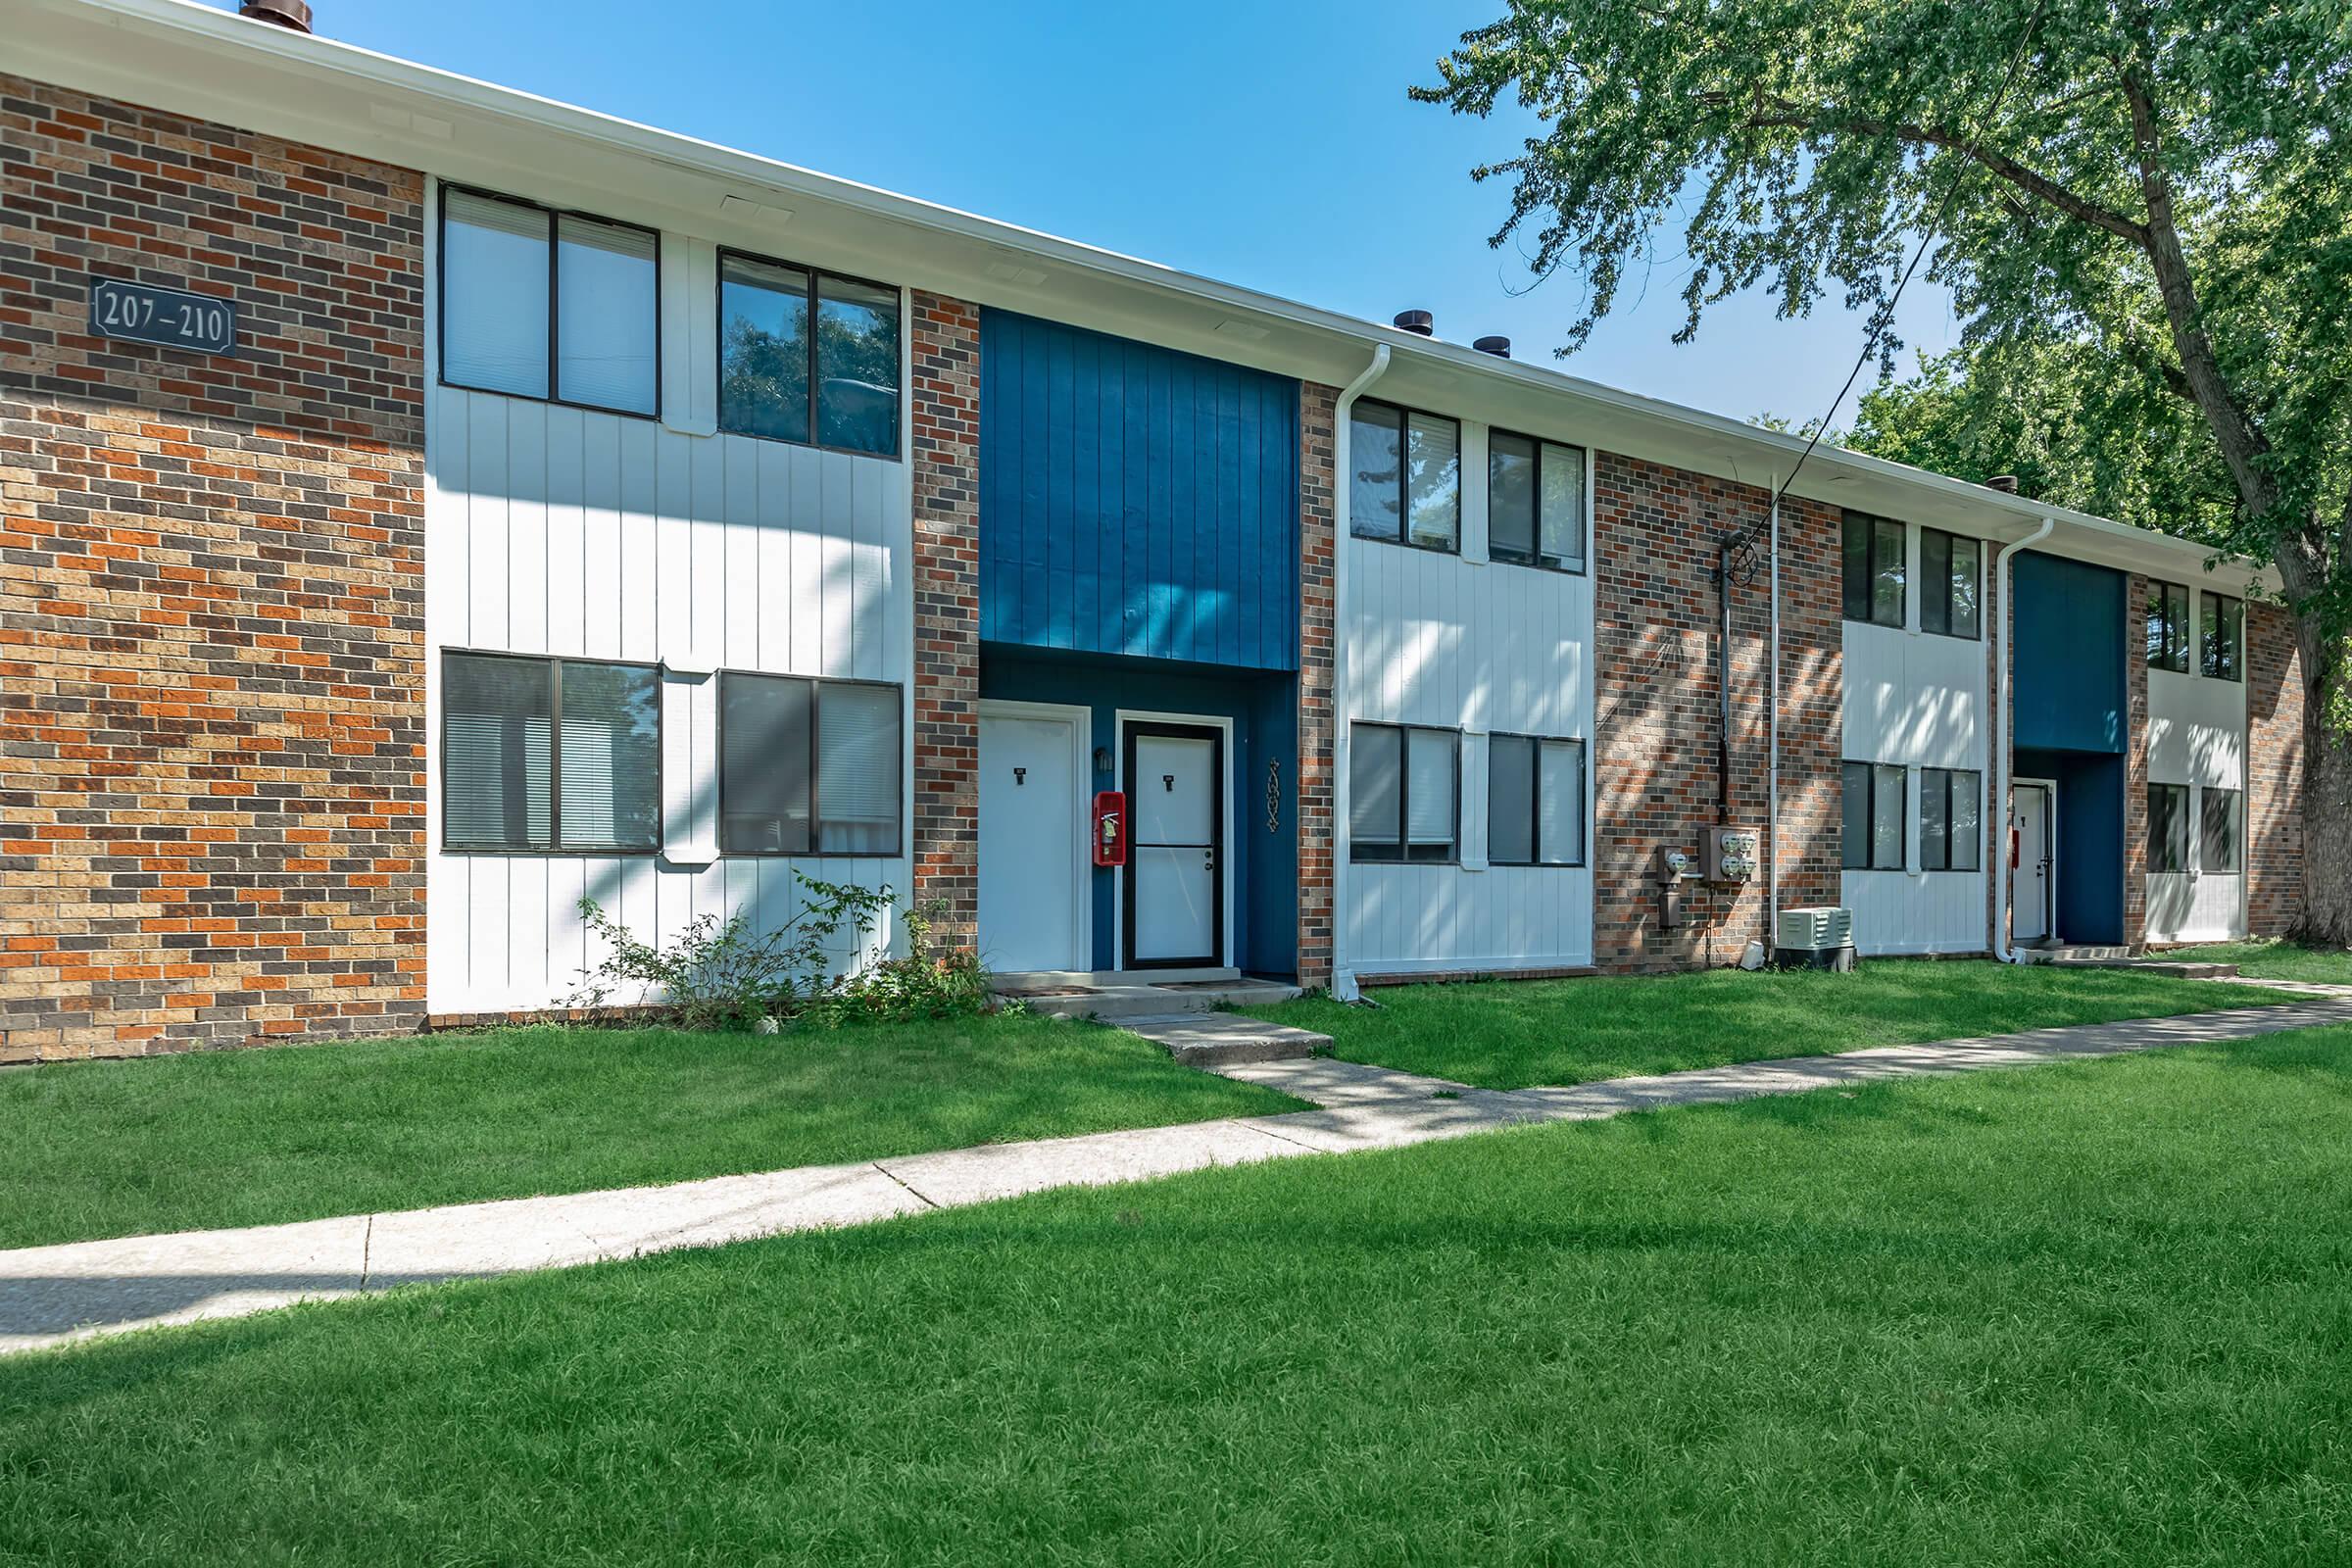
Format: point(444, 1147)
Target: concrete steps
point(1225, 1038)
point(2080, 956)
point(1116, 996)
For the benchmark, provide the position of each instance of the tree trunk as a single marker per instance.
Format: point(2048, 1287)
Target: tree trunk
point(2327, 791)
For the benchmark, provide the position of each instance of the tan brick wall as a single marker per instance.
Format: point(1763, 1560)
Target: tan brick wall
point(945, 456)
point(211, 714)
point(2275, 696)
point(1656, 707)
point(1317, 551)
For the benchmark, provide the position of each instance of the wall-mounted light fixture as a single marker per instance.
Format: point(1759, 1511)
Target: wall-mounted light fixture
point(1102, 758)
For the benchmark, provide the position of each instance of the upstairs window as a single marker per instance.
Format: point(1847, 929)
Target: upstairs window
point(1403, 785)
point(808, 766)
point(550, 754)
point(1873, 816)
point(1535, 801)
point(1950, 574)
point(540, 304)
point(2220, 830)
point(1406, 483)
point(2223, 638)
point(1535, 502)
point(2167, 827)
point(807, 357)
point(1950, 837)
point(1874, 561)
point(2168, 628)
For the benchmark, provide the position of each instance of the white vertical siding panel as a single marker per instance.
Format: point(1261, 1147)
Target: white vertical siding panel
point(635, 609)
point(841, 564)
point(566, 534)
point(805, 577)
point(707, 595)
point(673, 576)
point(739, 548)
point(527, 527)
point(486, 492)
point(773, 557)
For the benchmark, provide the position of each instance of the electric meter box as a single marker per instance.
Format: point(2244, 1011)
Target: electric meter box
point(1728, 855)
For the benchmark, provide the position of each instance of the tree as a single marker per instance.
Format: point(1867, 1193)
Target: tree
point(2168, 184)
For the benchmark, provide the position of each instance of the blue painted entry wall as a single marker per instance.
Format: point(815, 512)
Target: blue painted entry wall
point(1135, 499)
point(1264, 710)
point(2071, 727)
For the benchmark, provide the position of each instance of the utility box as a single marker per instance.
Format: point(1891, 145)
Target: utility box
point(1667, 870)
point(1728, 855)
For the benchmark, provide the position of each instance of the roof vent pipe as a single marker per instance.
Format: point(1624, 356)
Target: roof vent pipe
point(1420, 323)
point(292, 13)
point(2005, 483)
point(1499, 347)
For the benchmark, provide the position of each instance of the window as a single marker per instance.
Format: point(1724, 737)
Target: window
point(1873, 816)
point(2225, 637)
point(540, 304)
point(1874, 569)
point(1406, 484)
point(2168, 626)
point(2167, 827)
point(770, 357)
point(1950, 816)
point(1401, 783)
point(1535, 801)
point(2221, 823)
point(1535, 502)
point(1951, 570)
point(808, 766)
point(546, 754)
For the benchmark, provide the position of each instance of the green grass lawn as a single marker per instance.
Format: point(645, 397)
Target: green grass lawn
point(2095, 1314)
point(1511, 1034)
point(258, 1137)
point(2274, 960)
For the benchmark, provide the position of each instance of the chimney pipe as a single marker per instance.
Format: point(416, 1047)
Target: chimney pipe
point(2005, 483)
point(1499, 347)
point(1419, 321)
point(293, 13)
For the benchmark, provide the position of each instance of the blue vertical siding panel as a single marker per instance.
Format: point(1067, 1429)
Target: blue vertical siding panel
point(1135, 499)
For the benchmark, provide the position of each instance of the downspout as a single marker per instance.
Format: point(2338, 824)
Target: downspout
point(2002, 568)
point(1772, 758)
point(1343, 978)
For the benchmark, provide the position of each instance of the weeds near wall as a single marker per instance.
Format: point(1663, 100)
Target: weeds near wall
point(730, 974)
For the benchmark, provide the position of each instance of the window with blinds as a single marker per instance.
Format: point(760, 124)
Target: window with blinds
point(1535, 801)
point(1873, 838)
point(557, 305)
point(544, 756)
point(1402, 790)
point(809, 766)
point(1535, 502)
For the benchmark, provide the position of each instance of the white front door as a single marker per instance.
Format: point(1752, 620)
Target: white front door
point(2032, 880)
point(1175, 886)
point(1029, 835)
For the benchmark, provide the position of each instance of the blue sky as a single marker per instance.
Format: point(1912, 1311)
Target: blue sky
point(1267, 144)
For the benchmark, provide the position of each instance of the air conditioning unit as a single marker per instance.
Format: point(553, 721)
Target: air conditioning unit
point(1810, 930)
point(1821, 937)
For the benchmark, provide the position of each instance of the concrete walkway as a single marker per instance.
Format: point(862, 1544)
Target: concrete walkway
point(51, 1295)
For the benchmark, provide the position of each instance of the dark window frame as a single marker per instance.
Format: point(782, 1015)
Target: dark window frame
point(1403, 850)
point(1535, 801)
point(2182, 828)
point(2171, 650)
point(1869, 815)
point(1871, 562)
point(1948, 777)
point(817, 276)
point(2237, 823)
point(1942, 593)
point(2237, 661)
point(1583, 524)
point(1405, 481)
point(816, 734)
point(555, 301)
point(556, 845)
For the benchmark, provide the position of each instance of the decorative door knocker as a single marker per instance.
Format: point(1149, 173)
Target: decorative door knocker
point(1274, 796)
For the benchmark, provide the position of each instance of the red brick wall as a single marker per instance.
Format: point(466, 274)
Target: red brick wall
point(211, 591)
point(946, 457)
point(1317, 516)
point(2273, 771)
point(1656, 707)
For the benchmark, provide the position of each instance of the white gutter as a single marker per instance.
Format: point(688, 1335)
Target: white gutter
point(1343, 978)
point(2003, 567)
point(1772, 755)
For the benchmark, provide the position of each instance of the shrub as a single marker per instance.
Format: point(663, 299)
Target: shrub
point(729, 974)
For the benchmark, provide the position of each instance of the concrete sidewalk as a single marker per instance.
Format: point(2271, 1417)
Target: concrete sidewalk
point(51, 1295)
